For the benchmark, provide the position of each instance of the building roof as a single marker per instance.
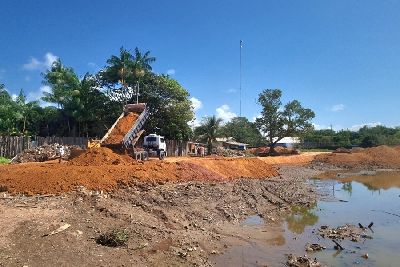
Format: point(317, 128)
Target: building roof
point(235, 143)
point(288, 140)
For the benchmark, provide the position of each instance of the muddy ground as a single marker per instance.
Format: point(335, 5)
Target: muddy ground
point(169, 224)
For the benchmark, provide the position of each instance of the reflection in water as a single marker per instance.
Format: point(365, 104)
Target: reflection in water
point(300, 218)
point(348, 187)
point(382, 180)
point(360, 206)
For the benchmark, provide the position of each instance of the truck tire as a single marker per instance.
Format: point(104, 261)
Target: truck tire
point(161, 155)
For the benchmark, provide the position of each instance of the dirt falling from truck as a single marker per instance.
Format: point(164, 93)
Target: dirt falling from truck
point(121, 128)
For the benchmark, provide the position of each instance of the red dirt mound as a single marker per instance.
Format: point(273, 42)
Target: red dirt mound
point(53, 178)
point(101, 156)
point(381, 156)
point(121, 129)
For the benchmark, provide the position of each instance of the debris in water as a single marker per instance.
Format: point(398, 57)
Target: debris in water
point(300, 261)
point(314, 247)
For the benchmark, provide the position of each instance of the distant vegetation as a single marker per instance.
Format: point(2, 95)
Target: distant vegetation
point(365, 137)
point(88, 105)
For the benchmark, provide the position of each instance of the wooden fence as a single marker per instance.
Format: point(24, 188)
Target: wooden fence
point(12, 145)
point(177, 148)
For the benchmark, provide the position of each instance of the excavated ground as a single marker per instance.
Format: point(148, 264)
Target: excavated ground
point(178, 212)
point(169, 224)
point(375, 157)
point(102, 169)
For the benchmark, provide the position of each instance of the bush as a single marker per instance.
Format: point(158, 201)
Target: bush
point(4, 160)
point(114, 238)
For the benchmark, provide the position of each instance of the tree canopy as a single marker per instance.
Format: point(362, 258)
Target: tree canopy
point(277, 121)
point(242, 130)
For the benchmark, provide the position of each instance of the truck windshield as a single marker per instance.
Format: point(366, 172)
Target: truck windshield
point(151, 139)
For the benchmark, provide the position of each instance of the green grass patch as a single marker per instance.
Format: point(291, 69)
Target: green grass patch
point(4, 160)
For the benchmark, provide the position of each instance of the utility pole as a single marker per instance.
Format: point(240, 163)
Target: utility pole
point(240, 79)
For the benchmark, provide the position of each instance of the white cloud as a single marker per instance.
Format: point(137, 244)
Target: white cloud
point(232, 91)
point(37, 95)
point(225, 113)
point(368, 124)
point(171, 72)
point(337, 108)
point(196, 103)
point(195, 122)
point(35, 64)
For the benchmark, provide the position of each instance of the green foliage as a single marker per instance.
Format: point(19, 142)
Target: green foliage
point(208, 131)
point(84, 108)
point(242, 130)
point(124, 72)
point(114, 238)
point(169, 105)
point(168, 101)
point(364, 137)
point(4, 160)
point(278, 122)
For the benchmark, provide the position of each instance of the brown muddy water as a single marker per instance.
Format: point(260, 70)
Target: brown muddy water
point(348, 200)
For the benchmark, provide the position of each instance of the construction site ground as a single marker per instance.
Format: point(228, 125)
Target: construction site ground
point(179, 212)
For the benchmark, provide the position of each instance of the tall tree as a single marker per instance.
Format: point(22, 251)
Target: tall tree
point(28, 113)
point(170, 107)
point(8, 116)
point(123, 73)
point(277, 122)
point(80, 101)
point(208, 131)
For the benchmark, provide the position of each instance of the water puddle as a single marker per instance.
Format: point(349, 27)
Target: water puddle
point(350, 199)
point(253, 220)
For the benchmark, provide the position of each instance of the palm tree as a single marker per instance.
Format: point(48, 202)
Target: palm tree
point(126, 69)
point(143, 61)
point(208, 130)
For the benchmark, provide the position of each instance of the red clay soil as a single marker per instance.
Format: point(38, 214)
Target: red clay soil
point(101, 156)
point(115, 170)
point(381, 156)
point(121, 129)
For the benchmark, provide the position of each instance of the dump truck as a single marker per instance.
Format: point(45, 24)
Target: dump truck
point(127, 140)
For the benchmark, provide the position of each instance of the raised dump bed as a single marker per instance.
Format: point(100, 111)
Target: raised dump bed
point(127, 128)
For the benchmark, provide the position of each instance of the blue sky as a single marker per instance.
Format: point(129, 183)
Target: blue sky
point(341, 58)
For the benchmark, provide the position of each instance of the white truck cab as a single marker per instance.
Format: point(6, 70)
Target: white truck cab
point(156, 143)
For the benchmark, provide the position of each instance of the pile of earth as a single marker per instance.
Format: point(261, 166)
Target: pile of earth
point(264, 151)
point(225, 152)
point(122, 127)
point(379, 157)
point(101, 156)
point(102, 169)
point(44, 153)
